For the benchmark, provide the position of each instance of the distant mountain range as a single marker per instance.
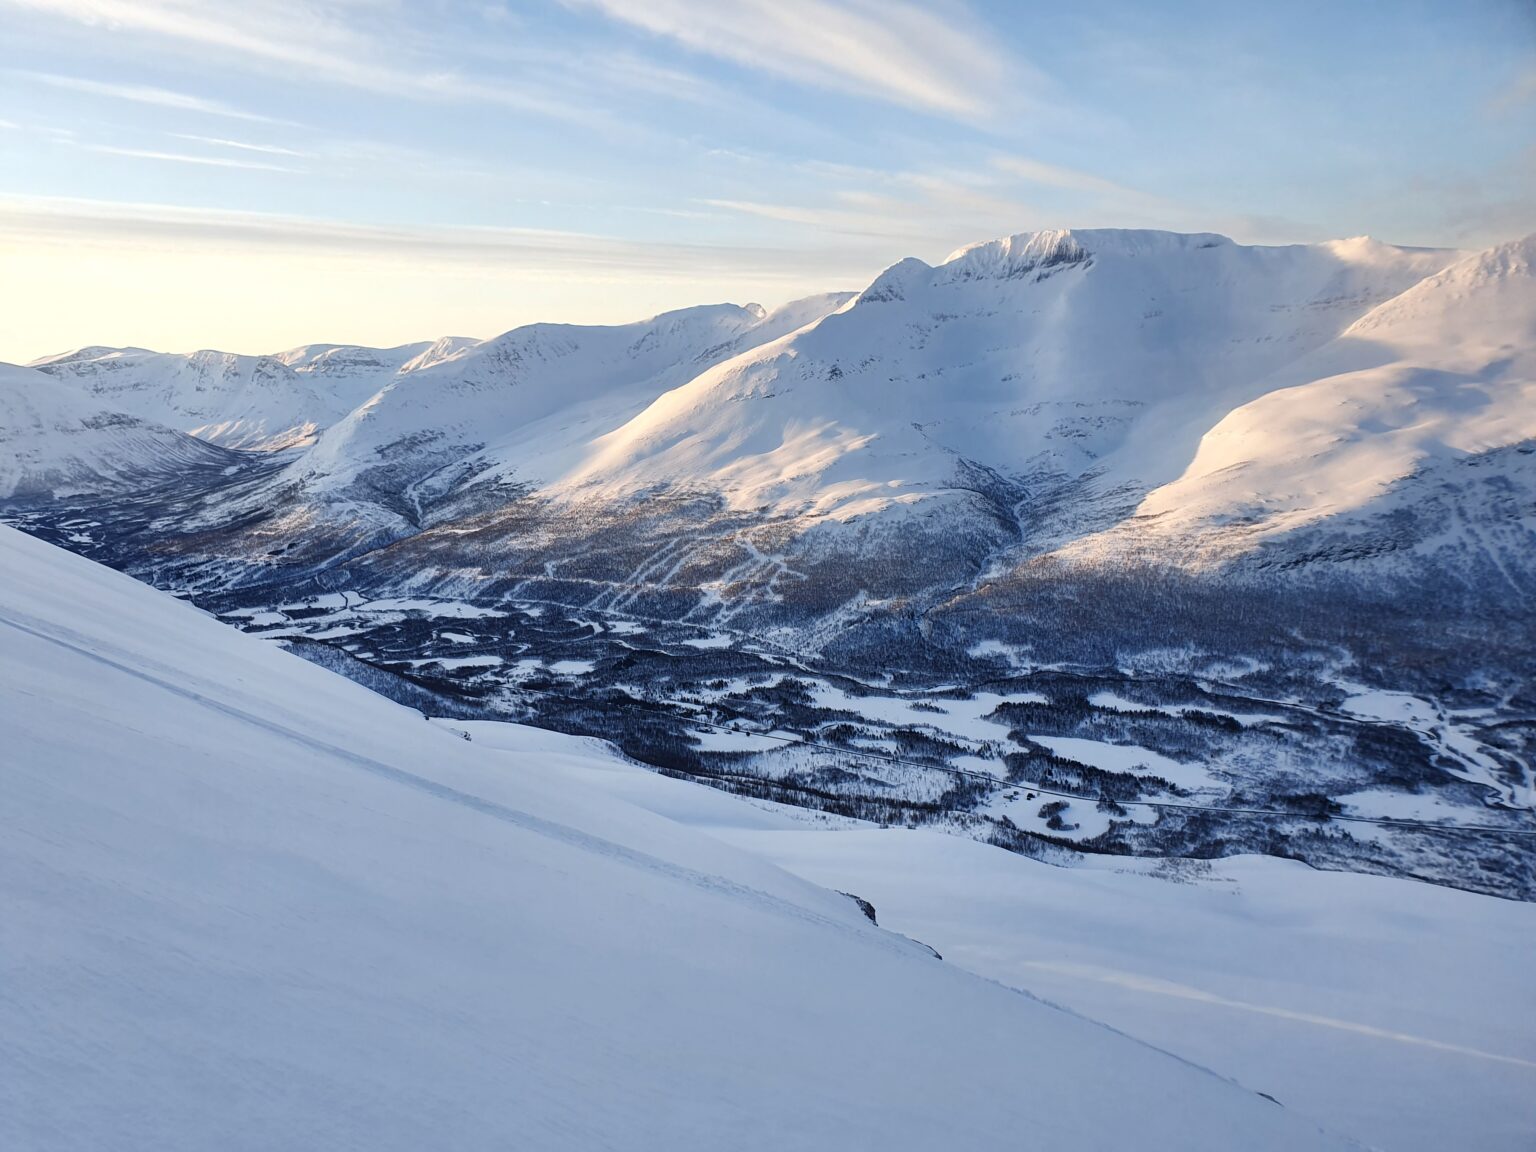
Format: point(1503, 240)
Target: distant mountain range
point(1130, 452)
point(1087, 395)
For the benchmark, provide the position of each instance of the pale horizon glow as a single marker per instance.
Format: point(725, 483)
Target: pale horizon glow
point(184, 174)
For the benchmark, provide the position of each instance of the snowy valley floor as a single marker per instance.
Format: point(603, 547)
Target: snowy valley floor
point(247, 904)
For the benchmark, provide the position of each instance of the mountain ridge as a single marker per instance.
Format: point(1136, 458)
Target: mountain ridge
point(1111, 361)
point(1076, 467)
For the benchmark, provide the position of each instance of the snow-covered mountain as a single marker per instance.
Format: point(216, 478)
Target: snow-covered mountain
point(55, 442)
point(1057, 353)
point(1052, 356)
point(523, 406)
point(287, 399)
point(246, 903)
point(1039, 390)
point(1433, 389)
point(1102, 399)
point(349, 362)
point(254, 402)
point(1100, 395)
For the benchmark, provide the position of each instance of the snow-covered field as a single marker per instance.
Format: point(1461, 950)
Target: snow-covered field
point(245, 903)
point(1126, 758)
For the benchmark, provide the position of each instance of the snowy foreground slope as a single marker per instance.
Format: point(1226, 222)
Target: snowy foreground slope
point(1393, 1012)
point(247, 904)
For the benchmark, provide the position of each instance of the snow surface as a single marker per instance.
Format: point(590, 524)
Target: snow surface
point(1396, 1012)
point(1459, 750)
point(966, 718)
point(245, 903)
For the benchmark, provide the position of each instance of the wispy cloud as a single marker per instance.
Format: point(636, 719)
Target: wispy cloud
point(242, 145)
point(1054, 176)
point(1127, 205)
point(899, 212)
point(928, 210)
point(272, 29)
point(314, 38)
point(932, 212)
point(33, 220)
point(892, 50)
point(184, 158)
point(143, 94)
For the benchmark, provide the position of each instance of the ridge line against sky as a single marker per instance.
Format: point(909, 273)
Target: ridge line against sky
point(467, 167)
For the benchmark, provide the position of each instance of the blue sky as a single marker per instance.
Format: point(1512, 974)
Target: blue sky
point(254, 174)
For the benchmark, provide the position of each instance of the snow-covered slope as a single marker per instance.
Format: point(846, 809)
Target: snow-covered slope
point(1427, 386)
point(1343, 995)
point(1051, 353)
point(342, 363)
point(1096, 394)
point(469, 394)
point(54, 440)
point(257, 402)
point(1379, 1005)
point(522, 406)
point(248, 904)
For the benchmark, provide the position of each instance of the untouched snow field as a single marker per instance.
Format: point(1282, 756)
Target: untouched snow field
point(246, 904)
point(1395, 1012)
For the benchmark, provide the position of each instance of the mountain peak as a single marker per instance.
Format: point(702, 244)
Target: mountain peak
point(81, 355)
point(1054, 246)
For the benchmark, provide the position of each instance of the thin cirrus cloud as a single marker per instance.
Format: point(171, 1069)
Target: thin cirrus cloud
point(314, 39)
point(1128, 203)
point(115, 224)
point(1056, 176)
point(187, 158)
point(1520, 90)
point(272, 29)
point(931, 210)
point(241, 145)
point(891, 51)
point(929, 213)
point(143, 94)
